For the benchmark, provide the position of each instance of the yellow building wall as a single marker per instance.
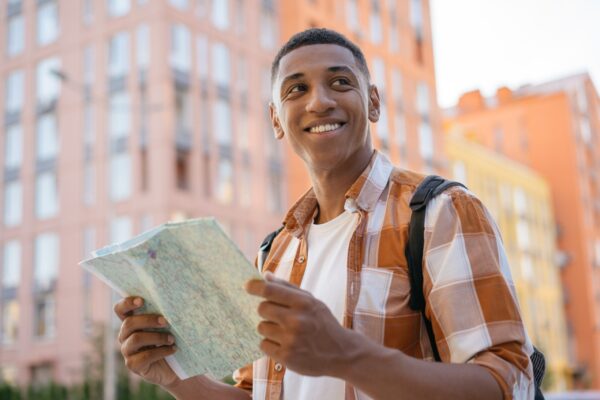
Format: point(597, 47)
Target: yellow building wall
point(520, 202)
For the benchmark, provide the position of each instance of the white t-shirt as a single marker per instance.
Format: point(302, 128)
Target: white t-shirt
point(325, 278)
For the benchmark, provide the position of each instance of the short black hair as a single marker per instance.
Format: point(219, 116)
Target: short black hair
point(319, 36)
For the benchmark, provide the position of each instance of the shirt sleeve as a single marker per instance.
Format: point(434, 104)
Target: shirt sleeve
point(470, 295)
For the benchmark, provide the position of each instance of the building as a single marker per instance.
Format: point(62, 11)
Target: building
point(117, 115)
point(554, 128)
point(396, 39)
point(521, 204)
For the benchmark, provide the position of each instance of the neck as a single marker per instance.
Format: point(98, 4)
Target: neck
point(330, 186)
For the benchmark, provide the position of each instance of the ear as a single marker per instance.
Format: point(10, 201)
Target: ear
point(374, 104)
point(275, 121)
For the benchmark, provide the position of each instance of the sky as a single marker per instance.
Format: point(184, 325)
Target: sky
point(485, 44)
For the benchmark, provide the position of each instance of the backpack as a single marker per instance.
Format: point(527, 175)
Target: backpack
point(430, 187)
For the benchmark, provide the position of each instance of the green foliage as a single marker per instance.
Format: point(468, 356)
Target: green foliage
point(8, 392)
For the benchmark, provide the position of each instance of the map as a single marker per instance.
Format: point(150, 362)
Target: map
point(193, 274)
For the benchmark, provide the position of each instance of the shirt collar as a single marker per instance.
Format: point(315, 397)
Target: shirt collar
point(362, 195)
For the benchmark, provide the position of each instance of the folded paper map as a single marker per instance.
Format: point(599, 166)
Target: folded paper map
point(193, 274)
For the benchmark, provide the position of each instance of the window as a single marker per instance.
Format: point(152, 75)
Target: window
point(426, 148)
point(180, 4)
point(47, 83)
point(13, 147)
point(89, 184)
point(397, 87)
point(11, 265)
point(416, 17)
point(423, 99)
point(520, 201)
point(15, 90)
point(46, 260)
point(220, 14)
point(88, 13)
point(47, 137)
point(118, 55)
point(268, 26)
point(120, 177)
point(222, 115)
point(240, 19)
point(88, 66)
point(394, 36)
point(119, 116)
point(400, 129)
point(459, 171)
point(15, 37)
point(221, 67)
point(224, 181)
point(88, 125)
point(47, 22)
point(352, 15)
point(89, 244)
point(202, 56)
point(143, 47)
point(585, 130)
point(523, 238)
point(46, 195)
point(183, 112)
point(375, 22)
point(13, 203)
point(44, 317)
point(181, 48)
point(118, 8)
point(120, 229)
point(10, 321)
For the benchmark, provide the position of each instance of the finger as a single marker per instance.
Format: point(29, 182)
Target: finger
point(140, 362)
point(270, 330)
point(270, 348)
point(139, 340)
point(273, 312)
point(276, 292)
point(126, 306)
point(136, 323)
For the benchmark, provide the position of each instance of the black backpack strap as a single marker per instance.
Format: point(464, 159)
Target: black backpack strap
point(430, 187)
point(265, 248)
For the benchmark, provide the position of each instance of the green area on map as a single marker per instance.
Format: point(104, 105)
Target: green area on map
point(193, 274)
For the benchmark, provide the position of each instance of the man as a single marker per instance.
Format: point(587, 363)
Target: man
point(336, 321)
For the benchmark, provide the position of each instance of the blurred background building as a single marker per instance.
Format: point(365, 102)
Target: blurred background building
point(554, 129)
point(118, 115)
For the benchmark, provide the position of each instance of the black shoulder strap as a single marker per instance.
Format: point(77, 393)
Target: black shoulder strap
point(265, 248)
point(430, 187)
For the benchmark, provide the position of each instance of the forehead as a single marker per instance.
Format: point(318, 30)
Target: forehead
point(316, 58)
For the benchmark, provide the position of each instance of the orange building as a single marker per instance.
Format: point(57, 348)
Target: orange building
point(396, 39)
point(554, 128)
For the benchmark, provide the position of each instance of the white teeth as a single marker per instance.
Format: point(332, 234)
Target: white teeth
point(325, 128)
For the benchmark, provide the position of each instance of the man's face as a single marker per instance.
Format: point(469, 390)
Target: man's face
point(323, 103)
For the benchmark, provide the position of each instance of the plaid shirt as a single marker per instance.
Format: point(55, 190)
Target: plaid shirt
point(470, 295)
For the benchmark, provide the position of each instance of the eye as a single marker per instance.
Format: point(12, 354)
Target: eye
point(341, 81)
point(297, 88)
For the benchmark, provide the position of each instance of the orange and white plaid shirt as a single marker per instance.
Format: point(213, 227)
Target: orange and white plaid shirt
point(469, 291)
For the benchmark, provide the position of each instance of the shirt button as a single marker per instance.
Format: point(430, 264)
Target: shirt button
point(278, 367)
point(301, 259)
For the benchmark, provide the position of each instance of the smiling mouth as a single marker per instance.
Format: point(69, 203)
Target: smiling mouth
point(325, 128)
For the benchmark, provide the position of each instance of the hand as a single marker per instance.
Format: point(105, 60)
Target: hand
point(145, 351)
point(299, 330)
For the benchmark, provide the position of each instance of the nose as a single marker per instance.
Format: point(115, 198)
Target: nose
point(320, 101)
